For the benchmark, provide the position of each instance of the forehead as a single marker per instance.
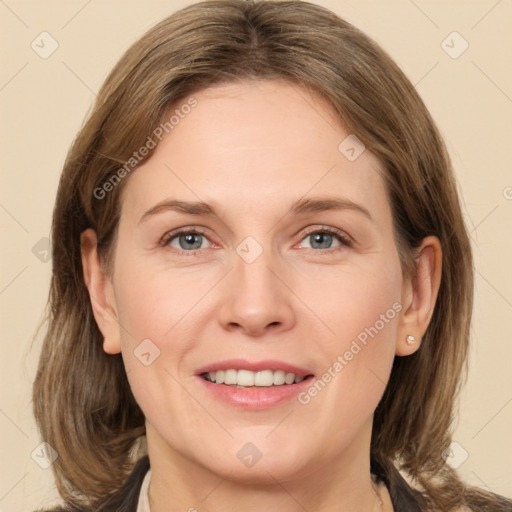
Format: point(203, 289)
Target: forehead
point(258, 143)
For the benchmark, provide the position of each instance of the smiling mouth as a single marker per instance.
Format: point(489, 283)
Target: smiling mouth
point(248, 379)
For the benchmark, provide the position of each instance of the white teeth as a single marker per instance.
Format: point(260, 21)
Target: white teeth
point(230, 377)
point(246, 378)
point(279, 377)
point(264, 378)
point(290, 377)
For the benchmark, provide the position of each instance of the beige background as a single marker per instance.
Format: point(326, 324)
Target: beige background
point(43, 102)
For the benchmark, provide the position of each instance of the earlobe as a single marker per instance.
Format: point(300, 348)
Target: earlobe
point(419, 295)
point(101, 293)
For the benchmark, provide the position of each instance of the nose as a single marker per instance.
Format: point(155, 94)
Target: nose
point(256, 298)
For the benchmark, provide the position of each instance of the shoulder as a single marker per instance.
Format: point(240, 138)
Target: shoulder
point(125, 499)
point(403, 497)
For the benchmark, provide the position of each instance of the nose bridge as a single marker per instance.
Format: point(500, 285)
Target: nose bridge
point(253, 274)
point(255, 299)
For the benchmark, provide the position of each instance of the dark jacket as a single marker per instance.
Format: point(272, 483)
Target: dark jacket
point(403, 497)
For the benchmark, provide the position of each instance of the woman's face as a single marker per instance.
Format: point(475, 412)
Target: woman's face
point(286, 264)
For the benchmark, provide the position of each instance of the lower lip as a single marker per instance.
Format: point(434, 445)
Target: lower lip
point(256, 398)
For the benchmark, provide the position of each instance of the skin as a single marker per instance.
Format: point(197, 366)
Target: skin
point(252, 149)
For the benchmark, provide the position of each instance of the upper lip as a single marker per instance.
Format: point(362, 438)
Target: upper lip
point(254, 366)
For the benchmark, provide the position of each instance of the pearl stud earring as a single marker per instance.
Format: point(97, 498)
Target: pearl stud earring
point(411, 340)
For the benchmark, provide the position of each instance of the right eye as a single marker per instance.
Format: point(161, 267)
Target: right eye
point(185, 240)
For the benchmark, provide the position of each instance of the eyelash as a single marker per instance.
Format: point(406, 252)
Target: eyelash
point(340, 235)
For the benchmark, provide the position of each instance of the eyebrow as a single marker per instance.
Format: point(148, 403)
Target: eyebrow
point(302, 206)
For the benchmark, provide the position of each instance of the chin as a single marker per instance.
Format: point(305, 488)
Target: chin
point(281, 467)
point(258, 461)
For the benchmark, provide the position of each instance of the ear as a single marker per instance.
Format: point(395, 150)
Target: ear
point(419, 294)
point(101, 293)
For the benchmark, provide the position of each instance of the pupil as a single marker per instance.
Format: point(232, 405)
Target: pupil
point(189, 239)
point(322, 237)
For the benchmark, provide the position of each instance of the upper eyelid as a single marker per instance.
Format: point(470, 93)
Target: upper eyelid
point(332, 230)
point(170, 235)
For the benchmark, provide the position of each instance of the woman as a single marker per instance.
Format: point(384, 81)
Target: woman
point(261, 271)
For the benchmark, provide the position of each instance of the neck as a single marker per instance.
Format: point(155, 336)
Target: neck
point(341, 482)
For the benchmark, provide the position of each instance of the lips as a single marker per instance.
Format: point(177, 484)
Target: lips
point(257, 395)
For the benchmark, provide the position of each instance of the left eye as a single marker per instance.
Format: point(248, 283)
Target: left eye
point(324, 239)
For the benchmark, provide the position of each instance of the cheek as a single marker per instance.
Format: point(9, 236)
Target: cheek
point(361, 311)
point(349, 300)
point(154, 309)
point(152, 300)
point(161, 312)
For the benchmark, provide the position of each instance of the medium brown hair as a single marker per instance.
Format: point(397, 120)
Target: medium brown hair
point(82, 399)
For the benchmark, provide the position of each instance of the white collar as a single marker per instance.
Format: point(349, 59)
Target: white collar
point(143, 505)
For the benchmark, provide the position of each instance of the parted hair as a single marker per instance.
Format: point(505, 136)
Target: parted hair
point(83, 403)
